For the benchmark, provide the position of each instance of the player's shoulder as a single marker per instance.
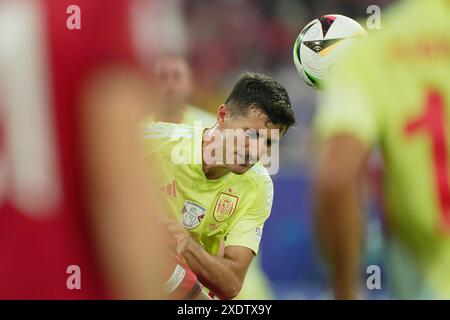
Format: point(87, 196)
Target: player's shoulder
point(260, 189)
point(259, 178)
point(155, 130)
point(195, 114)
point(162, 137)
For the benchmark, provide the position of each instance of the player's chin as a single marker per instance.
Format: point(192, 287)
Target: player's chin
point(239, 168)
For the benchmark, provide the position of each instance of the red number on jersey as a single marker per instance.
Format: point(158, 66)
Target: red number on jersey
point(432, 122)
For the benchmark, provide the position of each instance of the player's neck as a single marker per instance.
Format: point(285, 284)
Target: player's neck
point(213, 168)
point(213, 172)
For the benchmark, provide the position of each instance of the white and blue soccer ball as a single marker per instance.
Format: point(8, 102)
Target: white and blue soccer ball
point(320, 42)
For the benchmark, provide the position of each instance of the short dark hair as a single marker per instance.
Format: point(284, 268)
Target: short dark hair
point(260, 92)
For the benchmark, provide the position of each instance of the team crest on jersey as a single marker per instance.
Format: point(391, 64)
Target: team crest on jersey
point(225, 206)
point(192, 214)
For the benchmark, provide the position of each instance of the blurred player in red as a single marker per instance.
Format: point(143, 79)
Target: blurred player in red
point(77, 220)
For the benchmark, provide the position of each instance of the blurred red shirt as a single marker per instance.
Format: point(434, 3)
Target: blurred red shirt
point(43, 227)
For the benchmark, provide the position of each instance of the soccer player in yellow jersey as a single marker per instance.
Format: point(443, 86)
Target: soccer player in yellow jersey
point(221, 193)
point(392, 91)
point(173, 77)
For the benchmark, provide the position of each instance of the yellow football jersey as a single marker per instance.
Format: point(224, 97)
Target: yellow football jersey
point(192, 116)
point(233, 208)
point(393, 90)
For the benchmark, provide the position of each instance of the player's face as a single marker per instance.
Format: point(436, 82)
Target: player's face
point(258, 131)
point(174, 81)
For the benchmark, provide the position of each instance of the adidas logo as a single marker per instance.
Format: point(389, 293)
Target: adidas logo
point(170, 189)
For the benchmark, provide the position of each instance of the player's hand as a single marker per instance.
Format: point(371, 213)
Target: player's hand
point(181, 235)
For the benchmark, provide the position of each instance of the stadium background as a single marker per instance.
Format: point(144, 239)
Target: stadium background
point(222, 39)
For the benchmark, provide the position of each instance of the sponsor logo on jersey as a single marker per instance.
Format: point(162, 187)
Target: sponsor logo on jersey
point(170, 189)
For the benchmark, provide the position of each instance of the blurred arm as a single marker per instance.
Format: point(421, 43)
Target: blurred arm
point(119, 196)
point(339, 216)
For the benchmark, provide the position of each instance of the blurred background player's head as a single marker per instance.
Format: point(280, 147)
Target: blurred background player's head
point(174, 80)
point(256, 102)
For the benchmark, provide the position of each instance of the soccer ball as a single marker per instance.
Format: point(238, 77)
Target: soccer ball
point(320, 42)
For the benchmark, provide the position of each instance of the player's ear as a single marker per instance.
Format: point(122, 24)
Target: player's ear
point(222, 114)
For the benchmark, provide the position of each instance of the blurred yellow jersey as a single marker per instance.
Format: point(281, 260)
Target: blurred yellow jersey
point(233, 208)
point(192, 116)
point(393, 90)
